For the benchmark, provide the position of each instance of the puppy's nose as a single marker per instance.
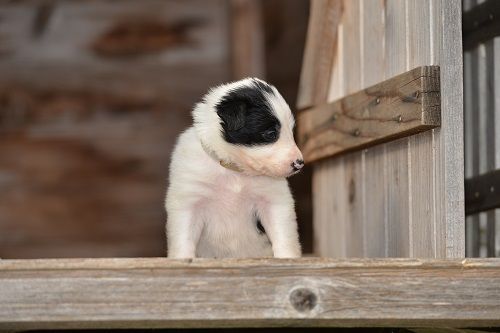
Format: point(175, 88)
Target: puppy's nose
point(297, 165)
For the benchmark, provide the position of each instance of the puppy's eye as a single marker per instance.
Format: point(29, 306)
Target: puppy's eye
point(270, 134)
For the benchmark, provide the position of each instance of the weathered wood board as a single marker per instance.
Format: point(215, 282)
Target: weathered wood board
point(403, 198)
point(403, 105)
point(162, 293)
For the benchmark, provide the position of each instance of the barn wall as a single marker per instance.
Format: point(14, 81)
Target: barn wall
point(404, 198)
point(92, 97)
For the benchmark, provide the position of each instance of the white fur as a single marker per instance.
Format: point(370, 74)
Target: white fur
point(211, 209)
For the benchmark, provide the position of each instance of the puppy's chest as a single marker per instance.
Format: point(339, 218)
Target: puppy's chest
point(229, 211)
point(231, 191)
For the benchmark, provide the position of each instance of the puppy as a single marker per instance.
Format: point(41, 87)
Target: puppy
point(228, 195)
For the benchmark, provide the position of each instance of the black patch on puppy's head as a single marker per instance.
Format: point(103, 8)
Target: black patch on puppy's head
point(246, 116)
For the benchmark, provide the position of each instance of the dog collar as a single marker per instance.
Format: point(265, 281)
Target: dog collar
point(227, 165)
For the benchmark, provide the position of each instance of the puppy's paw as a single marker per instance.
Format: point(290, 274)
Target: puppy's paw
point(288, 253)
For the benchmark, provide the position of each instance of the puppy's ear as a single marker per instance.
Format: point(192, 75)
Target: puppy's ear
point(233, 115)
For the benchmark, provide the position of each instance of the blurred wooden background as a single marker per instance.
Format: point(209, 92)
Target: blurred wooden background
point(92, 97)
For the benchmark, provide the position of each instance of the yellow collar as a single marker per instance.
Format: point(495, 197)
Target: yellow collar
point(227, 165)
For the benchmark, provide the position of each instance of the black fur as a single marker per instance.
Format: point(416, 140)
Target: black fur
point(260, 227)
point(247, 118)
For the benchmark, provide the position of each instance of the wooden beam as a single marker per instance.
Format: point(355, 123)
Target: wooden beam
point(306, 292)
point(403, 105)
point(481, 23)
point(482, 192)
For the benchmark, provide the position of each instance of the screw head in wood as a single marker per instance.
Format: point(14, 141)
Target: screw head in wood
point(303, 299)
point(377, 100)
point(399, 118)
point(356, 132)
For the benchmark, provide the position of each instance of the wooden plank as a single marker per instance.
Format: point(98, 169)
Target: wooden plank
point(449, 154)
point(162, 293)
point(398, 222)
point(481, 23)
point(404, 105)
point(374, 159)
point(420, 147)
point(321, 66)
point(482, 192)
point(319, 52)
point(353, 183)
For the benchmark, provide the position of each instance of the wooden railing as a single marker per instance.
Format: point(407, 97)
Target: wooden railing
point(162, 293)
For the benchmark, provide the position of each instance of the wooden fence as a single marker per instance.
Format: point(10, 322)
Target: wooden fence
point(404, 198)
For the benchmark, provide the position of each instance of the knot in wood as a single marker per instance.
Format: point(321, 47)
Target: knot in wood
point(303, 299)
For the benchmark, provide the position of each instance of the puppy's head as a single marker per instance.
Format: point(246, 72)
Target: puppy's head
point(248, 124)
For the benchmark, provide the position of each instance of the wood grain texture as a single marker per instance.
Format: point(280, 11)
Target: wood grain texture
point(162, 293)
point(351, 188)
point(449, 192)
point(375, 204)
point(398, 202)
point(321, 81)
point(420, 147)
point(319, 53)
point(400, 106)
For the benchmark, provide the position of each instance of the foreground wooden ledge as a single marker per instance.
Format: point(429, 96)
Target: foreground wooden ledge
point(157, 292)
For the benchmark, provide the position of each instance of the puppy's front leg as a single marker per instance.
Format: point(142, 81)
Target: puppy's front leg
point(182, 234)
point(280, 222)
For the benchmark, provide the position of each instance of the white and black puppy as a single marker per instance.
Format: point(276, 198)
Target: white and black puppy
point(228, 194)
